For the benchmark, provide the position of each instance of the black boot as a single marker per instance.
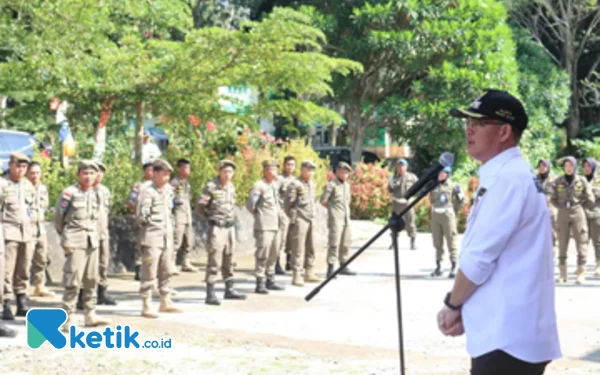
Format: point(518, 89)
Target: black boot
point(438, 269)
point(272, 285)
point(413, 246)
point(211, 297)
point(452, 274)
point(137, 273)
point(231, 293)
point(288, 262)
point(278, 270)
point(80, 300)
point(104, 298)
point(347, 272)
point(330, 269)
point(7, 332)
point(22, 306)
point(6, 311)
point(260, 286)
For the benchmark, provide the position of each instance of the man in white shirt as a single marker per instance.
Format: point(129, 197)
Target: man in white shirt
point(150, 151)
point(503, 295)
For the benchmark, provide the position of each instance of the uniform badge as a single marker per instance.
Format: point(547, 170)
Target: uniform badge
point(66, 196)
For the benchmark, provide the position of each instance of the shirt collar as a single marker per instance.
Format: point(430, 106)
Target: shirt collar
point(491, 167)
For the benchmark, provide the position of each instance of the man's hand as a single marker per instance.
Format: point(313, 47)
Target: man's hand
point(450, 322)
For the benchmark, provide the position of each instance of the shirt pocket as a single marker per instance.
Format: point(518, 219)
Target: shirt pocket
point(157, 212)
point(79, 208)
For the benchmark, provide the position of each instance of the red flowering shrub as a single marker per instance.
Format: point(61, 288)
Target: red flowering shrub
point(370, 197)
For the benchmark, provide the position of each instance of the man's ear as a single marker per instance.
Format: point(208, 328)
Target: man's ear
point(505, 133)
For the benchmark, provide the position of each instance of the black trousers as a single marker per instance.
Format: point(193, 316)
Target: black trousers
point(501, 363)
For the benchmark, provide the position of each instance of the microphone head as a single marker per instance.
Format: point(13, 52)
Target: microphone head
point(446, 159)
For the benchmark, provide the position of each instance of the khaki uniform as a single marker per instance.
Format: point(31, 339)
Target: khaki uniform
point(184, 230)
point(103, 237)
point(300, 208)
point(399, 186)
point(548, 188)
point(216, 207)
point(338, 196)
point(76, 221)
point(263, 202)
point(155, 222)
point(17, 201)
point(40, 242)
point(569, 200)
point(593, 217)
point(446, 199)
point(134, 194)
point(284, 220)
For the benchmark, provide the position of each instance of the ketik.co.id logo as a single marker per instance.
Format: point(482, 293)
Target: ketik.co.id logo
point(44, 325)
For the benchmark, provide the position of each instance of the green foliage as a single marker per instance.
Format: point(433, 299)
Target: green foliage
point(470, 48)
point(246, 149)
point(546, 95)
point(588, 147)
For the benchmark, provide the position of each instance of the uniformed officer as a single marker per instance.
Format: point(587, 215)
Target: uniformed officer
point(104, 240)
point(263, 202)
point(300, 208)
point(76, 221)
point(289, 165)
point(17, 197)
point(216, 207)
point(546, 180)
point(184, 229)
point(40, 244)
point(154, 217)
point(400, 183)
point(593, 214)
point(336, 198)
point(571, 193)
point(5, 331)
point(134, 194)
point(446, 199)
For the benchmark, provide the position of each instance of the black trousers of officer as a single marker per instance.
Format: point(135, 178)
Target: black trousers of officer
point(499, 362)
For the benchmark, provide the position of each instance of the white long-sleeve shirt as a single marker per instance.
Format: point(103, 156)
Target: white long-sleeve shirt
point(507, 252)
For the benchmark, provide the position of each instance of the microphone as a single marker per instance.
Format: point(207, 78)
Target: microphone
point(446, 160)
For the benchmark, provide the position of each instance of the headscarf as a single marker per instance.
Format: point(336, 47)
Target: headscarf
point(593, 163)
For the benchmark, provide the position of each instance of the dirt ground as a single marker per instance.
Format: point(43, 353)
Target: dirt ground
point(349, 328)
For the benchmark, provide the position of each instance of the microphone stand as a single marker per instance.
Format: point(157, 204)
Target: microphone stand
point(396, 224)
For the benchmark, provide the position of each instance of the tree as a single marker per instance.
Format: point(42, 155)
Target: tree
point(416, 54)
point(569, 31)
point(546, 94)
point(131, 57)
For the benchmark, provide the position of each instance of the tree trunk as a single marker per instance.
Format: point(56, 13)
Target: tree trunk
point(2, 111)
point(333, 134)
point(574, 115)
point(356, 128)
point(139, 131)
point(100, 141)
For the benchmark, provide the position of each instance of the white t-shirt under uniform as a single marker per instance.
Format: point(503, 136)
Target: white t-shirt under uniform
point(507, 252)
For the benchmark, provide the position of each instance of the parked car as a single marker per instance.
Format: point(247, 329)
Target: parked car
point(336, 154)
point(12, 141)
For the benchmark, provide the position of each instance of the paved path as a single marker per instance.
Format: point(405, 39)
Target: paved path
point(349, 328)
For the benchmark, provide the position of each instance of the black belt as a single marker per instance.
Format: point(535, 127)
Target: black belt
point(221, 223)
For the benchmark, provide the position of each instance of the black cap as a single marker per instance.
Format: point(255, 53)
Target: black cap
point(496, 105)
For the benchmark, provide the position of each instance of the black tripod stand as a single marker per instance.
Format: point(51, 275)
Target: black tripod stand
point(396, 224)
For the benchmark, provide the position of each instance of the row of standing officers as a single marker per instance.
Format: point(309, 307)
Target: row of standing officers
point(283, 207)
